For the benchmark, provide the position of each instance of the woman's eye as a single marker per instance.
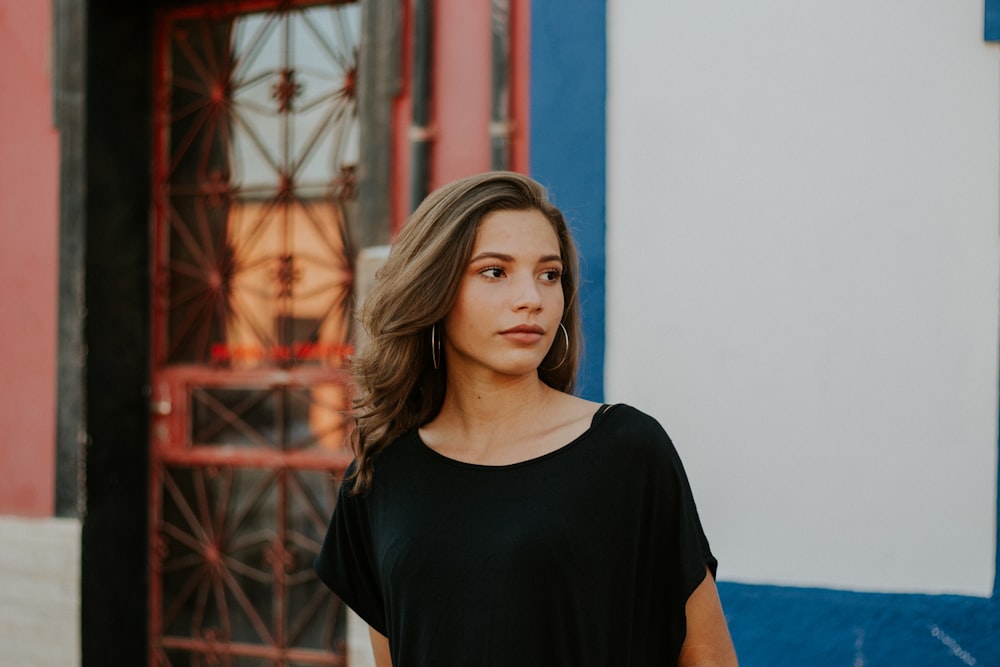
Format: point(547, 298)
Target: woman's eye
point(492, 272)
point(552, 275)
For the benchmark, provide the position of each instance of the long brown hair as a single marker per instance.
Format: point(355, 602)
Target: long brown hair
point(397, 387)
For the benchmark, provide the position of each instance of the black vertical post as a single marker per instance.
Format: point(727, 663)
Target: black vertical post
point(115, 218)
point(420, 133)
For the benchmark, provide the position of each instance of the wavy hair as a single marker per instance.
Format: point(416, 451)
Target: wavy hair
point(397, 387)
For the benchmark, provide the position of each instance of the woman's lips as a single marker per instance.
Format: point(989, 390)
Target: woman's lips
point(525, 333)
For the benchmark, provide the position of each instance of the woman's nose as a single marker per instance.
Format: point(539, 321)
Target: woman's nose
point(528, 296)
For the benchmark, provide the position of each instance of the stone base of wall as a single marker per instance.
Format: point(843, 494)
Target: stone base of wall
point(40, 592)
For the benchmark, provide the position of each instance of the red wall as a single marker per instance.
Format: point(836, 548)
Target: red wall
point(461, 88)
point(460, 95)
point(29, 221)
point(29, 205)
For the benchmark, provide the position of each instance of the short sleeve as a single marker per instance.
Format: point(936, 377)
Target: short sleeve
point(692, 553)
point(684, 538)
point(345, 562)
point(673, 553)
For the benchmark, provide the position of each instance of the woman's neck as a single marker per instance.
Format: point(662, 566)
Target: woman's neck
point(498, 422)
point(475, 402)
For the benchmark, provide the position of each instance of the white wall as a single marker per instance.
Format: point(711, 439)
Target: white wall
point(803, 278)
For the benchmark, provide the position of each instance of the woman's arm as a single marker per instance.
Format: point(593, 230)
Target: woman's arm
point(380, 647)
point(707, 643)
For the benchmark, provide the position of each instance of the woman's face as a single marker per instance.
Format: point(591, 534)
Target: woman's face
point(510, 301)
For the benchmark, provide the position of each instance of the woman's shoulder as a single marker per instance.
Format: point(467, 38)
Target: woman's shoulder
point(632, 431)
point(626, 416)
point(401, 446)
point(391, 462)
point(393, 453)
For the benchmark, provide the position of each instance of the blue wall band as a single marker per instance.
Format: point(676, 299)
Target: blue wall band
point(991, 29)
point(568, 92)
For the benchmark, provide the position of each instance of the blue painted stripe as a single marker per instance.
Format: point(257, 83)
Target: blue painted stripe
point(775, 626)
point(567, 147)
point(991, 29)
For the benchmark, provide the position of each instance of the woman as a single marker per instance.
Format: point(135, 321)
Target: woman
point(490, 516)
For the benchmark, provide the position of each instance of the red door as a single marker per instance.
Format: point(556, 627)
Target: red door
point(255, 148)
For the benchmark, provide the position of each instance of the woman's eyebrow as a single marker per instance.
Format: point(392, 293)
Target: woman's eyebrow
point(509, 258)
point(492, 255)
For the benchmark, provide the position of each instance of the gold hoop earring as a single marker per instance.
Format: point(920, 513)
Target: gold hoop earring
point(435, 348)
point(565, 353)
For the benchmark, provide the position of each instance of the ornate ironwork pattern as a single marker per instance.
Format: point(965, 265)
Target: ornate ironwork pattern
point(259, 118)
point(278, 416)
point(235, 551)
point(256, 146)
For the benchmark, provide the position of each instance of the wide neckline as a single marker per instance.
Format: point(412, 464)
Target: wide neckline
point(597, 419)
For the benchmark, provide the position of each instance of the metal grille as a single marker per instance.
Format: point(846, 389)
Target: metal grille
point(235, 552)
point(256, 148)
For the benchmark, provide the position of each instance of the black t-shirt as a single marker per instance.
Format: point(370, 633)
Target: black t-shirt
point(583, 556)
